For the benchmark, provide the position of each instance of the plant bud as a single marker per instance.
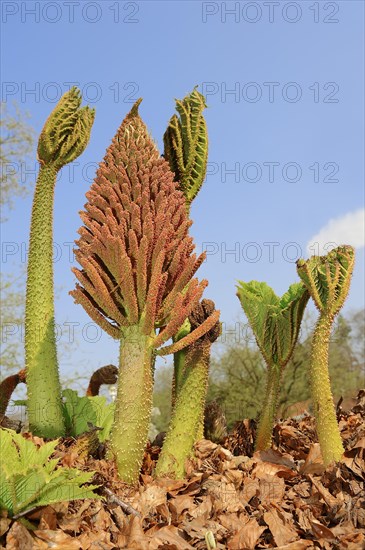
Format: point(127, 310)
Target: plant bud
point(66, 132)
point(186, 144)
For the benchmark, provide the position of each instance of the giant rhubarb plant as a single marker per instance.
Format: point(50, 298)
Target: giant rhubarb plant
point(188, 411)
point(327, 279)
point(186, 150)
point(64, 137)
point(275, 323)
point(137, 266)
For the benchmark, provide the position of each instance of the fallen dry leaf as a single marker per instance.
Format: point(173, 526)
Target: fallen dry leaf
point(18, 537)
point(314, 462)
point(281, 498)
point(280, 528)
point(247, 536)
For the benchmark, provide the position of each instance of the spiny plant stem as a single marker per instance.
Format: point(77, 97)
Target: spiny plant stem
point(43, 383)
point(186, 416)
point(64, 137)
point(179, 360)
point(324, 409)
point(179, 367)
point(327, 279)
point(187, 422)
point(133, 402)
point(267, 418)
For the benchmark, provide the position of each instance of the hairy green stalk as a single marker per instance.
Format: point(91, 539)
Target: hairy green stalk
point(275, 323)
point(268, 415)
point(133, 401)
point(187, 421)
point(186, 416)
point(63, 138)
point(179, 361)
point(186, 150)
point(327, 279)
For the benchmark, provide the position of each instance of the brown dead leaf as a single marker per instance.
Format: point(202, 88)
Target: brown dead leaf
point(203, 509)
point(251, 487)
point(344, 528)
point(100, 540)
point(314, 462)
point(4, 525)
point(70, 521)
point(355, 464)
point(169, 537)
point(197, 527)
point(204, 448)
point(18, 538)
point(321, 531)
point(163, 511)
point(264, 469)
point(134, 537)
point(171, 486)
point(280, 528)
point(193, 486)
point(48, 518)
point(233, 522)
point(179, 504)
point(304, 518)
point(276, 457)
point(329, 499)
point(58, 540)
point(34, 438)
point(226, 496)
point(354, 541)
point(151, 497)
point(271, 489)
point(101, 520)
point(247, 536)
point(297, 545)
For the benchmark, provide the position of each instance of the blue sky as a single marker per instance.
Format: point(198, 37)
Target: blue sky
point(284, 83)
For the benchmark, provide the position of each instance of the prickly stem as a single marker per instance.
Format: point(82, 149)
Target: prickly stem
point(133, 403)
point(267, 417)
point(43, 383)
point(324, 410)
point(182, 432)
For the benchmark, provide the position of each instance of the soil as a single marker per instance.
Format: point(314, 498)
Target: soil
point(282, 498)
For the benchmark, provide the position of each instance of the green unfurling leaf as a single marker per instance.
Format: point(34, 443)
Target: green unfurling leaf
point(275, 321)
point(186, 144)
point(79, 412)
point(30, 478)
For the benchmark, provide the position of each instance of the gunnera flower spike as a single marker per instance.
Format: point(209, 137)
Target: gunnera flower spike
point(327, 279)
point(137, 275)
point(64, 137)
point(275, 323)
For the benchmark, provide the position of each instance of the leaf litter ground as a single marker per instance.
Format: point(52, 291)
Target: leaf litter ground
point(281, 498)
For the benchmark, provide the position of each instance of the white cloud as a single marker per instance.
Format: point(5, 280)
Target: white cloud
point(347, 229)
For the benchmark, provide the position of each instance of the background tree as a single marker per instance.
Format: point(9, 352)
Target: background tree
point(237, 373)
point(16, 143)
